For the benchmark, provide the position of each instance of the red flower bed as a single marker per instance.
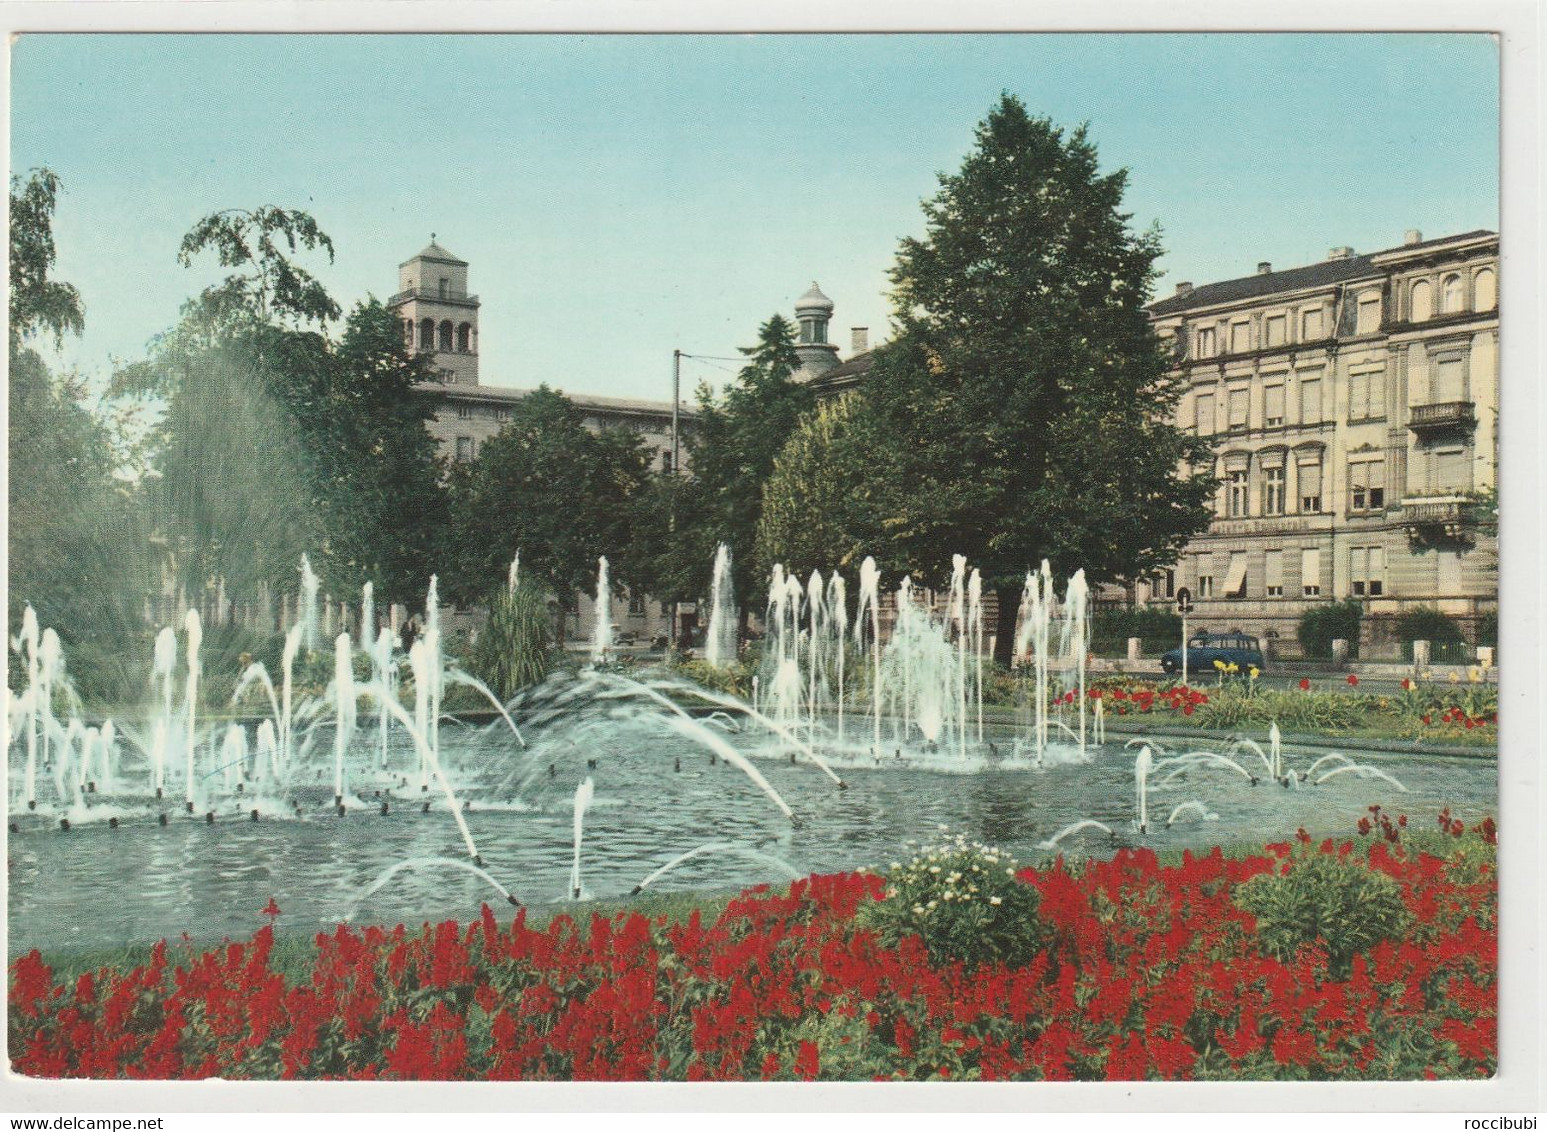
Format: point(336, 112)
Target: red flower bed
point(1153, 971)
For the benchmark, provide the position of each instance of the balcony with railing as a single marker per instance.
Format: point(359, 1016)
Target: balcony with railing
point(1439, 520)
point(1441, 416)
point(424, 294)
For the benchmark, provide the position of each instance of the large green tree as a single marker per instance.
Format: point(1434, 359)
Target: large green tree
point(549, 487)
point(76, 543)
point(1024, 409)
point(733, 447)
point(277, 440)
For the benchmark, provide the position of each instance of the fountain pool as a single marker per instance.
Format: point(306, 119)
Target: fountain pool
point(97, 886)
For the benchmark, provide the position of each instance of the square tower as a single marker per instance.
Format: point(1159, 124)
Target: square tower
point(439, 317)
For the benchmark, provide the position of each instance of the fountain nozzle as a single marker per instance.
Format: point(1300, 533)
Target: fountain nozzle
point(112, 823)
point(161, 819)
point(512, 901)
point(64, 825)
point(189, 806)
point(209, 817)
point(638, 888)
point(842, 785)
point(253, 816)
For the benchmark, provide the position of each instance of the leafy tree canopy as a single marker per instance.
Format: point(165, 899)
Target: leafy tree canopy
point(554, 490)
point(1023, 410)
point(38, 303)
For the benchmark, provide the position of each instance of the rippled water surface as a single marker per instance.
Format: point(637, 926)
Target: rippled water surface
point(98, 887)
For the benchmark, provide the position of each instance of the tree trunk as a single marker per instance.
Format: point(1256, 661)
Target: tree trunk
point(558, 635)
point(1004, 624)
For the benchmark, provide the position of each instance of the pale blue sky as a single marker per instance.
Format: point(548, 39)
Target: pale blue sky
point(622, 196)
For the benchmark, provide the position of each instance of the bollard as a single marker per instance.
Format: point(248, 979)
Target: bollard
point(1485, 656)
point(1340, 652)
point(1420, 656)
point(1135, 645)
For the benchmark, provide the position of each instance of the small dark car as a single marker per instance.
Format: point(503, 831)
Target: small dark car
point(1205, 648)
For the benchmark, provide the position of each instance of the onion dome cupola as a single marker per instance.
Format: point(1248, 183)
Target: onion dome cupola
point(814, 311)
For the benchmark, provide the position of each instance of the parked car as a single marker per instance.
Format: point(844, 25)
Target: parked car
point(1205, 648)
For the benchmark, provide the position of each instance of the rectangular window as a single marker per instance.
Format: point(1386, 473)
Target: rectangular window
point(1450, 470)
point(1275, 573)
point(1310, 325)
point(1240, 402)
point(1204, 410)
point(1273, 406)
point(1205, 585)
point(1310, 401)
point(1367, 485)
point(1205, 342)
point(1367, 571)
point(1240, 337)
point(1310, 572)
point(636, 604)
point(464, 412)
point(464, 449)
point(1273, 491)
point(502, 414)
point(1366, 395)
point(1277, 328)
point(1369, 315)
point(1310, 488)
point(1168, 582)
point(1449, 382)
point(1236, 482)
point(1448, 577)
point(1235, 581)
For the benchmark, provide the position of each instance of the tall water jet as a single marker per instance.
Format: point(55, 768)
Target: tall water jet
point(385, 675)
point(870, 597)
point(1141, 771)
point(163, 668)
point(233, 754)
point(50, 662)
point(816, 659)
point(367, 616)
point(720, 643)
point(28, 643)
point(309, 585)
point(293, 641)
point(959, 617)
point(344, 710)
point(1275, 750)
point(1077, 630)
point(838, 614)
point(975, 620)
point(432, 643)
point(195, 636)
point(513, 579)
point(582, 803)
point(601, 637)
point(419, 665)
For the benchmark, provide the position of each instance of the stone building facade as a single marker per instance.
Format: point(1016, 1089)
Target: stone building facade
point(440, 319)
point(1353, 410)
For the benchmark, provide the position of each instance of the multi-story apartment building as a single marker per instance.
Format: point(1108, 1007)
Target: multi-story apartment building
point(1353, 410)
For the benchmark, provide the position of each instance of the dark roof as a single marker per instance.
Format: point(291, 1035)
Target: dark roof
point(853, 369)
point(1323, 274)
point(591, 401)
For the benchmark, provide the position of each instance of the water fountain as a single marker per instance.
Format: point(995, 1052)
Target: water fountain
point(755, 798)
point(720, 640)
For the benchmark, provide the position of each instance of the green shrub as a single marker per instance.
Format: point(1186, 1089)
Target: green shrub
point(963, 901)
point(1320, 626)
point(1157, 627)
point(1488, 629)
point(513, 651)
point(1426, 625)
point(734, 678)
point(1339, 901)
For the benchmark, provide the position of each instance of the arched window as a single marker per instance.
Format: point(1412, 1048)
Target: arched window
point(408, 332)
point(465, 338)
point(445, 335)
point(1423, 301)
point(1485, 290)
point(1450, 294)
point(427, 334)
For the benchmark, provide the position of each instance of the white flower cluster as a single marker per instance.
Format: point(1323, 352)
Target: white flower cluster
point(965, 866)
